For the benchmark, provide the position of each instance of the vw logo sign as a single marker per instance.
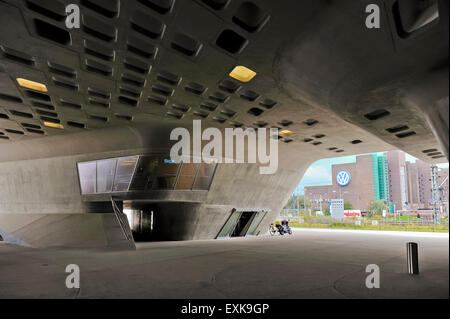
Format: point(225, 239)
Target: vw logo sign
point(343, 178)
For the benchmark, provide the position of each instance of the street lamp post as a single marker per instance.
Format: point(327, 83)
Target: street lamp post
point(304, 203)
point(320, 200)
point(434, 192)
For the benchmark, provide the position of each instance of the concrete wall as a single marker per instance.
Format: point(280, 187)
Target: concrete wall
point(41, 206)
point(63, 230)
point(47, 186)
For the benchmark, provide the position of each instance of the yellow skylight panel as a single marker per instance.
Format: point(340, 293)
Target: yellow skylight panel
point(32, 85)
point(53, 125)
point(243, 74)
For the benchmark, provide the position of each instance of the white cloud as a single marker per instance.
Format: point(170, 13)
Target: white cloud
point(319, 173)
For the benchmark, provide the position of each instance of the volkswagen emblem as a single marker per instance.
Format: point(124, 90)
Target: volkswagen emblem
point(343, 178)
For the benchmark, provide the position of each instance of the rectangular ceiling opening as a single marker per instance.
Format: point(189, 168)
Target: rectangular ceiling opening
point(377, 114)
point(51, 32)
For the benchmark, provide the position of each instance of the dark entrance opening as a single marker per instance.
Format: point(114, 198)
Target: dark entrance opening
point(142, 225)
point(243, 224)
point(162, 221)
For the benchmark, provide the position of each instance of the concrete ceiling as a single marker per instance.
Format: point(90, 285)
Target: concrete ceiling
point(341, 88)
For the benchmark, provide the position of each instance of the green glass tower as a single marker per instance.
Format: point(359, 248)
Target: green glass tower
point(380, 177)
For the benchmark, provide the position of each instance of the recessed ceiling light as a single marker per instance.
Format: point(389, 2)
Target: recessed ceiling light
point(243, 74)
point(286, 133)
point(53, 125)
point(32, 85)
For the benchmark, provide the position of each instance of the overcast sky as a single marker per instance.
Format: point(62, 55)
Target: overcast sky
point(319, 173)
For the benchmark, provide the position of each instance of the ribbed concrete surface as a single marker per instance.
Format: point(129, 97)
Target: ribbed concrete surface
point(309, 264)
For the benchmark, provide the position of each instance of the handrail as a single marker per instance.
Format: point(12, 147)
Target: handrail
point(117, 212)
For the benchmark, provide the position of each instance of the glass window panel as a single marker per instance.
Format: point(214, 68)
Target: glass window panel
point(124, 173)
point(187, 175)
point(105, 175)
point(145, 174)
point(167, 174)
point(87, 172)
point(255, 223)
point(204, 176)
point(230, 225)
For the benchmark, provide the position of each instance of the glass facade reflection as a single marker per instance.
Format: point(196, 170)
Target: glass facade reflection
point(167, 175)
point(188, 173)
point(204, 176)
point(88, 181)
point(143, 173)
point(105, 175)
point(124, 173)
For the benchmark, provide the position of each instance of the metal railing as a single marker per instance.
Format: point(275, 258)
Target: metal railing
point(119, 214)
point(291, 213)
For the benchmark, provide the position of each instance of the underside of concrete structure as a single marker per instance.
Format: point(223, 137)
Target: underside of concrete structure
point(134, 70)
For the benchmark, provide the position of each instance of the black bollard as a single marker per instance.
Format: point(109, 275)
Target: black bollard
point(412, 253)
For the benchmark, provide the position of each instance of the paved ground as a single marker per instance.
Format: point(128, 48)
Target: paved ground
point(309, 264)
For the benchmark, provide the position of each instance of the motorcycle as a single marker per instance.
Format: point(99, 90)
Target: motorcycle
point(282, 229)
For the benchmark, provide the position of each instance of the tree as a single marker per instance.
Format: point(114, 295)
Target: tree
point(348, 206)
point(376, 207)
